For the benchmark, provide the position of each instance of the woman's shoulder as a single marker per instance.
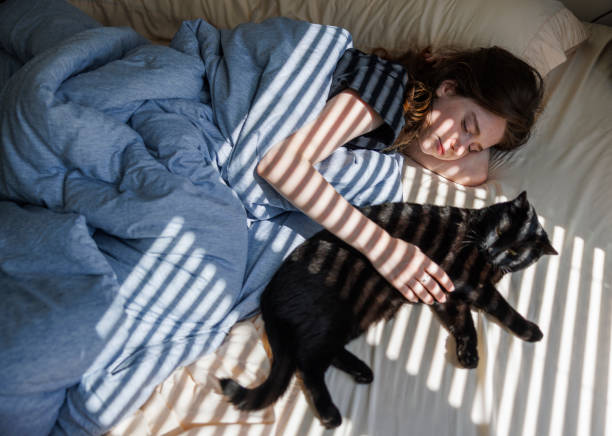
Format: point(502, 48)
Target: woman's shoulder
point(381, 84)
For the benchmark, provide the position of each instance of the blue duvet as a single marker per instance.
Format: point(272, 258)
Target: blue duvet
point(134, 231)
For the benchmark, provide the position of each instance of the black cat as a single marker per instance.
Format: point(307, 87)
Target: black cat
point(326, 293)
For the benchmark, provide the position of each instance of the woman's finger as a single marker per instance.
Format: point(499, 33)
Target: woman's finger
point(420, 291)
point(410, 296)
point(441, 277)
point(432, 287)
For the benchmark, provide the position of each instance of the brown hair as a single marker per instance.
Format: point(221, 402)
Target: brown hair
point(492, 77)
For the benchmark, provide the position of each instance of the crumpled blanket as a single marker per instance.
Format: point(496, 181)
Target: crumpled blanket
point(134, 230)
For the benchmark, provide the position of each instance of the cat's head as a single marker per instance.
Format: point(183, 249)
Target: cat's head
point(511, 235)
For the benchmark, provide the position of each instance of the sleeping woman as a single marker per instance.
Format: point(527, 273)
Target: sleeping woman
point(97, 142)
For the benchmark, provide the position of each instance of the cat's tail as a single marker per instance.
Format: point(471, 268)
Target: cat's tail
point(283, 368)
point(265, 394)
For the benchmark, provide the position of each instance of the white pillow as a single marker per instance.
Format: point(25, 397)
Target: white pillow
point(539, 31)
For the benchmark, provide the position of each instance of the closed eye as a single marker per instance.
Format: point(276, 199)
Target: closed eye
point(474, 148)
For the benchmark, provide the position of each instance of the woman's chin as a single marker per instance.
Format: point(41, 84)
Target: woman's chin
point(436, 155)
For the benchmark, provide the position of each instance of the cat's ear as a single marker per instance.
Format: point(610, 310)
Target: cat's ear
point(547, 248)
point(521, 199)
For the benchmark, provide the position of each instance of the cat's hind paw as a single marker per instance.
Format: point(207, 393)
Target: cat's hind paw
point(351, 364)
point(332, 419)
point(467, 354)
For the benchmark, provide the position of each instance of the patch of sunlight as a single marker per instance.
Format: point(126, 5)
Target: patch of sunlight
point(436, 368)
point(415, 357)
point(514, 361)
point(587, 385)
point(536, 377)
point(398, 334)
point(565, 348)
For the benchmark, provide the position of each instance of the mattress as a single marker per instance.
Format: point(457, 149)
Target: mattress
point(561, 385)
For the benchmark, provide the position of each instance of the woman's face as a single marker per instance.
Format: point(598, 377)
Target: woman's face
point(458, 125)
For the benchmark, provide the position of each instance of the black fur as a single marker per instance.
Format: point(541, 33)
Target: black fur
point(326, 293)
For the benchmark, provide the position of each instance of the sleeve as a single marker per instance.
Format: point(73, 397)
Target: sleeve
point(381, 84)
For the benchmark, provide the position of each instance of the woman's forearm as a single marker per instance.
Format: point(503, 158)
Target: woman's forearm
point(289, 168)
point(308, 190)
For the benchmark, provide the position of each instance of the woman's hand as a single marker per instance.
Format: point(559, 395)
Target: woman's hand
point(411, 272)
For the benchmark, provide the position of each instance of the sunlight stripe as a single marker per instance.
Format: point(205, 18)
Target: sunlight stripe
point(418, 343)
point(514, 361)
point(149, 299)
point(374, 334)
point(298, 413)
point(564, 360)
point(298, 82)
point(479, 203)
point(279, 243)
point(537, 370)
point(259, 430)
point(489, 338)
point(149, 291)
point(398, 334)
point(500, 197)
point(441, 194)
point(460, 198)
point(587, 385)
point(183, 275)
point(483, 395)
point(436, 369)
point(148, 259)
point(291, 83)
point(460, 375)
point(423, 192)
point(457, 389)
point(316, 429)
point(408, 179)
point(217, 298)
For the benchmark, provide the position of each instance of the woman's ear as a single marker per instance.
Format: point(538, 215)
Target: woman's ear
point(446, 88)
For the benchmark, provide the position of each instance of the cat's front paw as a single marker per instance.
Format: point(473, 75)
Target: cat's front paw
point(467, 354)
point(364, 376)
point(532, 333)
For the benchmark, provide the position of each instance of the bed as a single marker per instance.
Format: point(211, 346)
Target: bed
point(559, 386)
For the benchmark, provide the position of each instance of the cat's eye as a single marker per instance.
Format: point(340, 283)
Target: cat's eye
point(498, 231)
point(511, 252)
